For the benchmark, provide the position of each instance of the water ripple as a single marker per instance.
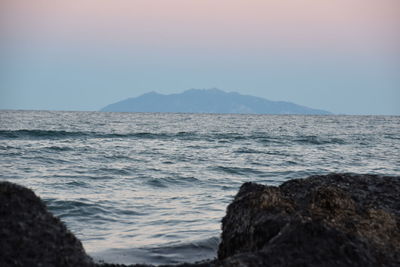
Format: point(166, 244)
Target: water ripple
point(155, 186)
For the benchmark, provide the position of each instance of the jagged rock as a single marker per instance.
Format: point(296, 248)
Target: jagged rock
point(332, 220)
point(32, 236)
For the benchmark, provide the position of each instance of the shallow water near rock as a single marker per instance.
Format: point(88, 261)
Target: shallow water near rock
point(150, 187)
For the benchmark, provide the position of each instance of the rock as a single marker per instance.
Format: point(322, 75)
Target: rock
point(32, 236)
point(332, 220)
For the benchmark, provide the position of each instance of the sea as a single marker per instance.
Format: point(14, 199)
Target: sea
point(153, 187)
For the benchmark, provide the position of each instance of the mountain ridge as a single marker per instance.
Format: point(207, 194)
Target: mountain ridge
point(208, 101)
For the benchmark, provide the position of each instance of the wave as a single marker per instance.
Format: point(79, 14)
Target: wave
point(165, 254)
point(171, 181)
point(37, 133)
point(237, 170)
point(16, 134)
point(317, 140)
point(55, 134)
point(51, 134)
point(58, 148)
point(82, 209)
point(262, 138)
point(86, 210)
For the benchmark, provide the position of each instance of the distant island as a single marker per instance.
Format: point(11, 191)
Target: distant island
point(208, 101)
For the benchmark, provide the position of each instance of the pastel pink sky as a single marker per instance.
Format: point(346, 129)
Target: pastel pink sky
point(189, 34)
point(344, 24)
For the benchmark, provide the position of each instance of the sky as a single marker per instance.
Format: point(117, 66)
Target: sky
point(342, 56)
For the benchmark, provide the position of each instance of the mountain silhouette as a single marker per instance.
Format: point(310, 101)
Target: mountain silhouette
point(208, 101)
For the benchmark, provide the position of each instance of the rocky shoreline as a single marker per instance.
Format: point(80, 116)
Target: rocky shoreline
point(329, 220)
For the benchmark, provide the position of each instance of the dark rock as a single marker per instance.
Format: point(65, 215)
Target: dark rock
point(332, 220)
point(32, 236)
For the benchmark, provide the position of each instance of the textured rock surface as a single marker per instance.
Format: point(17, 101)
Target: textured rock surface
point(31, 236)
point(333, 220)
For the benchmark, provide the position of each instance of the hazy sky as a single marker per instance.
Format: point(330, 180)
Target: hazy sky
point(338, 55)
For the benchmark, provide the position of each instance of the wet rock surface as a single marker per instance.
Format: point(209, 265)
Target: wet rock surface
point(32, 236)
point(330, 220)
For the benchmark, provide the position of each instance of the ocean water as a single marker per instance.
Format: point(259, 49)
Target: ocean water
point(151, 187)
